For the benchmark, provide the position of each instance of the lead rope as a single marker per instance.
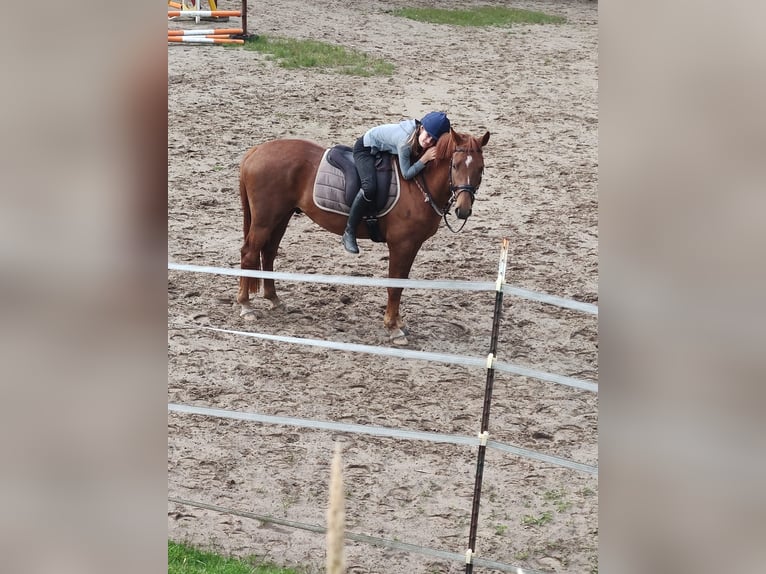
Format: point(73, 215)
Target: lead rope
point(427, 196)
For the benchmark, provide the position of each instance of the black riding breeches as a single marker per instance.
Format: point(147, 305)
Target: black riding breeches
point(365, 165)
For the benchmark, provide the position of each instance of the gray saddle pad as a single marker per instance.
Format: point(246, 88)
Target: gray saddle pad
point(330, 189)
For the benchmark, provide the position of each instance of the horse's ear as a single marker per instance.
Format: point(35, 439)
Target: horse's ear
point(458, 138)
point(485, 139)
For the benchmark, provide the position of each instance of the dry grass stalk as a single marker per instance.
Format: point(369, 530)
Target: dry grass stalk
point(336, 515)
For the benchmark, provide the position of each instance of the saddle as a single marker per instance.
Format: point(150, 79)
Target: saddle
point(337, 183)
point(342, 157)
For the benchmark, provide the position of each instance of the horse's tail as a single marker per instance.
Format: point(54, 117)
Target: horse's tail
point(246, 215)
point(248, 284)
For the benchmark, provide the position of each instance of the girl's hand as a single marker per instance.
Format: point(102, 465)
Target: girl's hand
point(428, 155)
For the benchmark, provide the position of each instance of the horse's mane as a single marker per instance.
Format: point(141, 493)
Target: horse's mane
point(445, 146)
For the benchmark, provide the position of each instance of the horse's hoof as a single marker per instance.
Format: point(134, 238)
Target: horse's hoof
point(277, 305)
point(399, 338)
point(248, 314)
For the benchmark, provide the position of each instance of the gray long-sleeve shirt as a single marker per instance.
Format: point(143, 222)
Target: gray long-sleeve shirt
point(393, 139)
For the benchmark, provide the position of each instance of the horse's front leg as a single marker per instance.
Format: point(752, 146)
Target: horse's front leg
point(399, 264)
point(392, 319)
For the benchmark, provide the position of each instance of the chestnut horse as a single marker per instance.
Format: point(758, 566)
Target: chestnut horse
point(277, 180)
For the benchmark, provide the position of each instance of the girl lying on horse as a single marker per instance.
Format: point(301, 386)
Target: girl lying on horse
point(410, 140)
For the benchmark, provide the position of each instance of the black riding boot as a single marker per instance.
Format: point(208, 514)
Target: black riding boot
point(358, 209)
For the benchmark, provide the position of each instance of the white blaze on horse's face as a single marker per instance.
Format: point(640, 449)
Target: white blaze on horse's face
point(465, 178)
point(468, 160)
point(471, 174)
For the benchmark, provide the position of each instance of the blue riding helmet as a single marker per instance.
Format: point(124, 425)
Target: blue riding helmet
point(436, 124)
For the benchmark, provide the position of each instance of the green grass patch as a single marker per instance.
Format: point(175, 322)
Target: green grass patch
point(291, 53)
point(544, 518)
point(480, 16)
point(557, 498)
point(183, 559)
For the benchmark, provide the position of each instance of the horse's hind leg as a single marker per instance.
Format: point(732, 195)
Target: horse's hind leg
point(268, 255)
point(250, 258)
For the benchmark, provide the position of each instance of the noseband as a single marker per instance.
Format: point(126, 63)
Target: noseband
point(455, 190)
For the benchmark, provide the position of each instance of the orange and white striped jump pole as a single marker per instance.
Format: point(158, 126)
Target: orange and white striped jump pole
point(191, 38)
point(214, 31)
point(204, 13)
point(203, 40)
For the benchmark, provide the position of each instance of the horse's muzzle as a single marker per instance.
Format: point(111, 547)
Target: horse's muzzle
point(463, 213)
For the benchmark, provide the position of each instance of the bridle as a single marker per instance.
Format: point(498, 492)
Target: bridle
point(455, 190)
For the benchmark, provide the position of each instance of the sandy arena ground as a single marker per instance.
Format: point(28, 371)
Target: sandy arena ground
point(535, 89)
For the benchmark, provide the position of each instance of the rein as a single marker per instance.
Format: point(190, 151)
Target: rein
point(455, 191)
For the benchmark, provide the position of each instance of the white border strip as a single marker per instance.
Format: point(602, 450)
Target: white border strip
point(380, 282)
point(408, 354)
point(364, 538)
point(379, 431)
